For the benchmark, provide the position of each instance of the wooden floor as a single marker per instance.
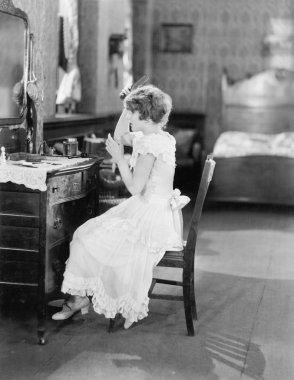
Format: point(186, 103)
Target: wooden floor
point(245, 301)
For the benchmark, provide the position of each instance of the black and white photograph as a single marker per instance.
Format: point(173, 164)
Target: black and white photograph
point(146, 189)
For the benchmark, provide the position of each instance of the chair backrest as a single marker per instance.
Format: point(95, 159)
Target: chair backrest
point(206, 178)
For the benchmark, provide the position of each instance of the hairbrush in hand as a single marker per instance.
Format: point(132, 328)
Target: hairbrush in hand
point(140, 82)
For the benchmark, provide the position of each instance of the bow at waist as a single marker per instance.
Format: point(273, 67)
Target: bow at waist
point(178, 201)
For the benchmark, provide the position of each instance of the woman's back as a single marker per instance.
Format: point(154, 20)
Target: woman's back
point(162, 146)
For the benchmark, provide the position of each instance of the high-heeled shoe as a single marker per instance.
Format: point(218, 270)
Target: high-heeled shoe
point(127, 324)
point(68, 310)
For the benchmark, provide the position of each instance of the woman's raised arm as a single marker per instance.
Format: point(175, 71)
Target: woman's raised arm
point(122, 130)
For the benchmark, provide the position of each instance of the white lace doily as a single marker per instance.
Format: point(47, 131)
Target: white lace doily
point(34, 177)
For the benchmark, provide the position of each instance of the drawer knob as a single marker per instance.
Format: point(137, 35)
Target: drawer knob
point(57, 223)
point(55, 189)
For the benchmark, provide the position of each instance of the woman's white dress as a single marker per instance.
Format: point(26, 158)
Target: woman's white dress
point(113, 255)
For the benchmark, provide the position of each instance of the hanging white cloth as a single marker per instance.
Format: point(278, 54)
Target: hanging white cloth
point(70, 86)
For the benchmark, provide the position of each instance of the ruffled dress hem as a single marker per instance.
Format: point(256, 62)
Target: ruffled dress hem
point(102, 302)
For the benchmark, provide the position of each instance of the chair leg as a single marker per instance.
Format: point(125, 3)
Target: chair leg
point(193, 299)
point(187, 282)
point(111, 324)
point(115, 323)
point(153, 283)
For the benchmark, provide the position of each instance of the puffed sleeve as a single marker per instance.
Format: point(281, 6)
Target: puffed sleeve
point(152, 144)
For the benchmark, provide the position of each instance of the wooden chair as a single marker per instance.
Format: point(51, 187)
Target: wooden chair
point(185, 259)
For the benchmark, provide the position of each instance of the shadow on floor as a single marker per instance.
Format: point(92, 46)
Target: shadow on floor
point(236, 353)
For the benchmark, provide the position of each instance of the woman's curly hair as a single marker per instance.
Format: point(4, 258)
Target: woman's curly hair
point(151, 103)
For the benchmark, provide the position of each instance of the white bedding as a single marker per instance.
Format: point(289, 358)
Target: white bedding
point(237, 144)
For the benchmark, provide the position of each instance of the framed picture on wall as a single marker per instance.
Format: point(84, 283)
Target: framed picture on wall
point(176, 38)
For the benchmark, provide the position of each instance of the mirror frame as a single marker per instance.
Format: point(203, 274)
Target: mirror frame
point(6, 6)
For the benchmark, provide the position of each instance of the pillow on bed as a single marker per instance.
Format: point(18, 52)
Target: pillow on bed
point(237, 144)
point(283, 144)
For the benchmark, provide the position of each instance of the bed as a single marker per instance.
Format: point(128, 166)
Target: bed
point(257, 113)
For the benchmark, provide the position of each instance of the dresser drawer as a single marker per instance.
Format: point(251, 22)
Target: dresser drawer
point(19, 209)
point(18, 272)
point(17, 203)
point(65, 187)
point(25, 238)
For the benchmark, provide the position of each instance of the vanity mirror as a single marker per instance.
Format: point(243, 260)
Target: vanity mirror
point(14, 63)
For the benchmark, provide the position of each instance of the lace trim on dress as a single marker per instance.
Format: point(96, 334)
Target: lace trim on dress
point(155, 144)
point(102, 302)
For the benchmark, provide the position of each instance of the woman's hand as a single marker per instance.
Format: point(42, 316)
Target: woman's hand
point(115, 149)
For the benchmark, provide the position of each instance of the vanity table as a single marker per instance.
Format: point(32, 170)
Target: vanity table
point(44, 201)
point(36, 227)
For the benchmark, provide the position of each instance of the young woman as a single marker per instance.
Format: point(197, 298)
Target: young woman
point(113, 255)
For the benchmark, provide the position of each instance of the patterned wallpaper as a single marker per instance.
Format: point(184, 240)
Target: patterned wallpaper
point(226, 33)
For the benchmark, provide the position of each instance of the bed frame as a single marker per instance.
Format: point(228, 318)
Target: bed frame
point(255, 179)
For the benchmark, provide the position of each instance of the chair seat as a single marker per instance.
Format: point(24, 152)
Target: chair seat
point(173, 259)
